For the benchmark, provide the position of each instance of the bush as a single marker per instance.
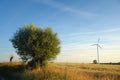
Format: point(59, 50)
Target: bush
point(94, 61)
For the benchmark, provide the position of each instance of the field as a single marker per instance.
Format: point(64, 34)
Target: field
point(60, 71)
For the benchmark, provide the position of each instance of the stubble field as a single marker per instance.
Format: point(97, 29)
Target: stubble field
point(60, 71)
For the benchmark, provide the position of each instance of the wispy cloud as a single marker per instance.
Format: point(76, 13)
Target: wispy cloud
point(112, 30)
point(92, 32)
point(75, 41)
point(65, 8)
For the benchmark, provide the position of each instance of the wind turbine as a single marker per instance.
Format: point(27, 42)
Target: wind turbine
point(98, 46)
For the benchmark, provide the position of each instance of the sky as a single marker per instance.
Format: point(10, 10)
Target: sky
point(79, 24)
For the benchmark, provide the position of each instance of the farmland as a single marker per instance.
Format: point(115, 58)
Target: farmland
point(60, 71)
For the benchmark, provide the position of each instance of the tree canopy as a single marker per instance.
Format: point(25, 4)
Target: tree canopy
point(36, 45)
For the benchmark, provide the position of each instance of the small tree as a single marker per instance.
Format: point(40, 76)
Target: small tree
point(36, 45)
point(11, 58)
point(94, 61)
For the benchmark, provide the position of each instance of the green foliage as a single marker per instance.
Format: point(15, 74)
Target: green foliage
point(94, 61)
point(36, 45)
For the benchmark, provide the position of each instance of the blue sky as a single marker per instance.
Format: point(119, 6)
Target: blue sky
point(79, 24)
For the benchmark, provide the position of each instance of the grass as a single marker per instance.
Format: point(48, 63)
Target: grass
point(60, 71)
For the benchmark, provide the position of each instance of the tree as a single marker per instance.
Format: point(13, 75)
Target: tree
point(11, 58)
point(94, 61)
point(36, 45)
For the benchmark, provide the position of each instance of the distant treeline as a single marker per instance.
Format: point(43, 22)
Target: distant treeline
point(112, 63)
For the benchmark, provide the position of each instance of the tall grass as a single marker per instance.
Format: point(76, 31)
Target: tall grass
point(61, 71)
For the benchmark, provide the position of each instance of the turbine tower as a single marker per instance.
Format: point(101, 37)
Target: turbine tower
point(98, 46)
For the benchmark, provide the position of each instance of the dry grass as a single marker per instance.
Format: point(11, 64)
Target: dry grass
point(65, 71)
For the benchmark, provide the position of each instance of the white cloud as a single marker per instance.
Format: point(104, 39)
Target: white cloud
point(65, 8)
point(112, 30)
point(77, 50)
point(77, 34)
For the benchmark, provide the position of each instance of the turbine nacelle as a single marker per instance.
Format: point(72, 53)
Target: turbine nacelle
point(97, 45)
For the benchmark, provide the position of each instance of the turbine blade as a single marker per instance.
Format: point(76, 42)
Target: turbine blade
point(99, 46)
point(94, 45)
point(98, 40)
